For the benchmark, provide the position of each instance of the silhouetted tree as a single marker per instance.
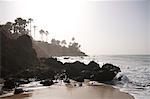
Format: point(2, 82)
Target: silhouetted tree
point(46, 33)
point(9, 26)
point(74, 46)
point(57, 42)
point(53, 42)
point(19, 26)
point(63, 42)
point(14, 28)
point(34, 29)
point(42, 32)
point(73, 39)
point(29, 21)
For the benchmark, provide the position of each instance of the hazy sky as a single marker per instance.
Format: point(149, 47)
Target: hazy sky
point(100, 26)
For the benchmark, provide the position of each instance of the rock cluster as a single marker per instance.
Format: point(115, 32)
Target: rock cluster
point(47, 82)
point(79, 71)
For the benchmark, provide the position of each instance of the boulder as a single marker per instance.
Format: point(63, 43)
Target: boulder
point(79, 79)
point(106, 73)
point(111, 68)
point(54, 64)
point(9, 84)
point(22, 81)
point(66, 81)
point(47, 82)
point(74, 69)
point(18, 91)
point(1, 92)
point(80, 84)
point(66, 57)
point(102, 76)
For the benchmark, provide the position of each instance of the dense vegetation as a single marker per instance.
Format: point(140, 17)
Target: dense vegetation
point(44, 49)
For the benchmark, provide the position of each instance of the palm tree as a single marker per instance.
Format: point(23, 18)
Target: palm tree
point(30, 20)
point(73, 39)
point(57, 42)
point(53, 41)
point(34, 30)
point(9, 26)
point(46, 33)
point(63, 42)
point(42, 32)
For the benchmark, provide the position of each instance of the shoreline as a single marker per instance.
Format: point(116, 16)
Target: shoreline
point(68, 91)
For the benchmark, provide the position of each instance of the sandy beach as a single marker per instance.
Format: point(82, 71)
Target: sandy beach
point(69, 92)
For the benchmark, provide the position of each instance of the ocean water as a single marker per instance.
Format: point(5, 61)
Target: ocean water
point(134, 68)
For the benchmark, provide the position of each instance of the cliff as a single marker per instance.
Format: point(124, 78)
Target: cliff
point(16, 54)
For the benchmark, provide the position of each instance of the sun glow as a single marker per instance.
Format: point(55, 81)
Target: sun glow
point(59, 17)
point(100, 27)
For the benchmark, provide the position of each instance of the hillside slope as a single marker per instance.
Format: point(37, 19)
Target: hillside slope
point(44, 49)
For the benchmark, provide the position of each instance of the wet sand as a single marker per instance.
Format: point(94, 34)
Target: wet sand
point(70, 92)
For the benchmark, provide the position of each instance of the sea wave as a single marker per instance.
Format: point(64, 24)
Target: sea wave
point(135, 71)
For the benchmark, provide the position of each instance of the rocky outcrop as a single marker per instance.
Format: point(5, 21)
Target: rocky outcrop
point(77, 71)
point(80, 71)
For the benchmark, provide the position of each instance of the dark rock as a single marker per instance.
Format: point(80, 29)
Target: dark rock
point(45, 74)
point(78, 69)
point(110, 67)
point(18, 91)
point(47, 82)
point(74, 69)
point(63, 76)
point(79, 79)
point(86, 74)
point(93, 66)
point(120, 78)
point(66, 81)
point(9, 84)
point(23, 81)
point(1, 92)
point(102, 76)
point(80, 84)
point(106, 73)
point(54, 64)
point(66, 57)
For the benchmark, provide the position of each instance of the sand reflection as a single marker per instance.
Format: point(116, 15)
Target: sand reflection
point(71, 92)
